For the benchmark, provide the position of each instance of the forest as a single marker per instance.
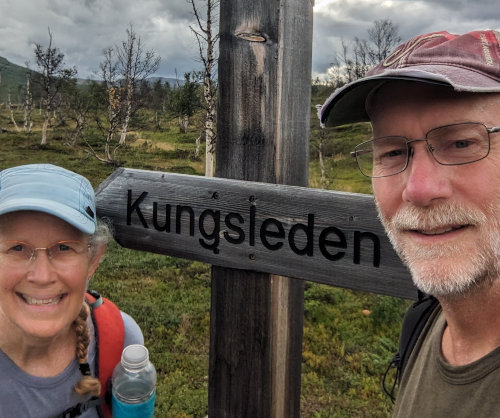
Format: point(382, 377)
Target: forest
point(349, 337)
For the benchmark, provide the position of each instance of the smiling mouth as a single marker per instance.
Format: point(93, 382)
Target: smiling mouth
point(440, 231)
point(41, 302)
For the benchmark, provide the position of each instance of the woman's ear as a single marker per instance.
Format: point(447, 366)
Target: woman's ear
point(97, 254)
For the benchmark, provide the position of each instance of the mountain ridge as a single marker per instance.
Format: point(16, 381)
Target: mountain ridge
point(13, 80)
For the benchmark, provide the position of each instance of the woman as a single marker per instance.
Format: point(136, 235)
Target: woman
point(50, 246)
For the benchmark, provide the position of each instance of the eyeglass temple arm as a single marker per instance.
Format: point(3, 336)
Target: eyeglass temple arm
point(354, 154)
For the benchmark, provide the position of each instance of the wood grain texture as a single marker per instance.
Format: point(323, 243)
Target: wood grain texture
point(349, 215)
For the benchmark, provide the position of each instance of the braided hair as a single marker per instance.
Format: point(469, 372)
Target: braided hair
point(88, 385)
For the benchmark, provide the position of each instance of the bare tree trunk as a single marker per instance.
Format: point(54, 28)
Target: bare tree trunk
point(123, 134)
point(157, 121)
point(107, 147)
point(53, 76)
point(114, 121)
point(210, 137)
point(44, 128)
point(80, 126)
point(209, 160)
point(28, 108)
point(207, 42)
point(321, 162)
point(183, 123)
point(198, 145)
point(12, 114)
point(128, 113)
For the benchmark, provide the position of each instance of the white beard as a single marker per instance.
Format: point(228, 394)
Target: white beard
point(443, 269)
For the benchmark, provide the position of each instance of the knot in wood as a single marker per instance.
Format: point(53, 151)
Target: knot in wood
point(251, 36)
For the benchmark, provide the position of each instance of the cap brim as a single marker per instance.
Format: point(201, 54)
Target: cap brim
point(67, 214)
point(347, 104)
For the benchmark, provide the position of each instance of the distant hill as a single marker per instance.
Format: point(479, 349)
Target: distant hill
point(174, 82)
point(13, 78)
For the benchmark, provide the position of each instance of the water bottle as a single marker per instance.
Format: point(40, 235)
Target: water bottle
point(134, 384)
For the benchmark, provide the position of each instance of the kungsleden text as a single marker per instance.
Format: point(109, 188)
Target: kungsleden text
point(236, 229)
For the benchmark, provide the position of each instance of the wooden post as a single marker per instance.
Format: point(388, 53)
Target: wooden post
point(263, 128)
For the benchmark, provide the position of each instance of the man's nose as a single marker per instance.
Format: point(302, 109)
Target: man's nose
point(425, 179)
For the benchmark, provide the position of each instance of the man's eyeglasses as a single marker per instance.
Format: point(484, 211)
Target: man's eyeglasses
point(457, 144)
point(60, 253)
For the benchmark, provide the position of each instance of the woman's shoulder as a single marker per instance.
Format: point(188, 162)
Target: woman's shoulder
point(133, 333)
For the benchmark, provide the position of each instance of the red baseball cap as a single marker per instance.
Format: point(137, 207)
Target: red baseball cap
point(469, 62)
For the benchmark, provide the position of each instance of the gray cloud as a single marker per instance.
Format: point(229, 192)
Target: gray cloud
point(346, 19)
point(82, 29)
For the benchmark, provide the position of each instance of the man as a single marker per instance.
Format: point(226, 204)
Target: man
point(434, 106)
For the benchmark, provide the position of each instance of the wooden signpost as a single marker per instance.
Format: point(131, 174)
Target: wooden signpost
point(262, 230)
point(257, 229)
point(317, 235)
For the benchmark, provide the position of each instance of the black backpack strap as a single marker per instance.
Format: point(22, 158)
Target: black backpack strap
point(413, 323)
point(80, 408)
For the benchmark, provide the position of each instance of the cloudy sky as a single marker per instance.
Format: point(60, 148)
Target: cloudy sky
point(81, 29)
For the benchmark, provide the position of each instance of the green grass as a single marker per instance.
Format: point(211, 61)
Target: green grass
point(345, 351)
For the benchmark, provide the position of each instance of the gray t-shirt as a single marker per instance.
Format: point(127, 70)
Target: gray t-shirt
point(26, 396)
point(431, 387)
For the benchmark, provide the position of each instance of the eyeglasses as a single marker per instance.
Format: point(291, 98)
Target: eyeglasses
point(60, 253)
point(456, 144)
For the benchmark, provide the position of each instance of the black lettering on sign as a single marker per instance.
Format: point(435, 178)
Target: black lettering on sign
point(308, 230)
point(211, 236)
point(131, 207)
point(252, 225)
point(324, 243)
point(272, 233)
point(267, 231)
point(358, 237)
point(166, 223)
point(228, 221)
point(178, 219)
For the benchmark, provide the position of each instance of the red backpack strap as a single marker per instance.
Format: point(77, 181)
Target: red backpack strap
point(110, 336)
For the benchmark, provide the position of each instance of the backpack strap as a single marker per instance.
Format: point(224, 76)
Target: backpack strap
point(413, 323)
point(110, 331)
point(110, 337)
point(78, 409)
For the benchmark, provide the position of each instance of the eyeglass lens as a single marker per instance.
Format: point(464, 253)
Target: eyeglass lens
point(59, 252)
point(449, 145)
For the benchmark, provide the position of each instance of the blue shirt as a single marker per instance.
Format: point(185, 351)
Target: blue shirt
point(23, 395)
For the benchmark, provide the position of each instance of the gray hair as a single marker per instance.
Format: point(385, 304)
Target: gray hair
point(101, 236)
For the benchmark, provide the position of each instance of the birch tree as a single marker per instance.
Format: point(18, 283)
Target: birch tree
point(53, 75)
point(358, 56)
point(79, 101)
point(122, 71)
point(11, 110)
point(28, 104)
point(134, 66)
point(207, 39)
point(112, 96)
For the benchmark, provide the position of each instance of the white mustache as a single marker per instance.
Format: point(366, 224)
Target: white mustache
point(427, 219)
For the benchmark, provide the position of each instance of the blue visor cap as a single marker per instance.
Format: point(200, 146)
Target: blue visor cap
point(50, 189)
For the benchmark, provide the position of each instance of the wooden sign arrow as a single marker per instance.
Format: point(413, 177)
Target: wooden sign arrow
point(322, 236)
